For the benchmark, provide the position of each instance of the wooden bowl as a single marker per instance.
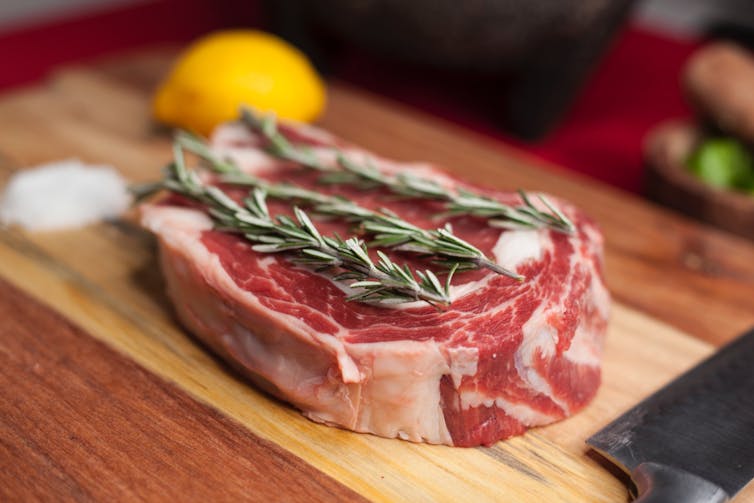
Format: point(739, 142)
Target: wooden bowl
point(669, 183)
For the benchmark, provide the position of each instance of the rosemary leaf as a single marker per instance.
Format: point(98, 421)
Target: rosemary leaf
point(389, 230)
point(366, 175)
point(383, 283)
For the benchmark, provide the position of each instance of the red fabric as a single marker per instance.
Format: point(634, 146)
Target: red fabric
point(635, 86)
point(29, 53)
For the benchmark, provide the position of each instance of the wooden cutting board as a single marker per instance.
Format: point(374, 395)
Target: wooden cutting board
point(160, 418)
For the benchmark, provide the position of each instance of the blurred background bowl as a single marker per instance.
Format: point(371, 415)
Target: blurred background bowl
point(528, 46)
point(669, 182)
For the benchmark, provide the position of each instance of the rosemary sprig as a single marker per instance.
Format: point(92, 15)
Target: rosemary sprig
point(387, 228)
point(383, 282)
point(462, 202)
point(278, 145)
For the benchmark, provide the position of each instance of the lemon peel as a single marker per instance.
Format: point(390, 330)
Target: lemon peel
point(224, 70)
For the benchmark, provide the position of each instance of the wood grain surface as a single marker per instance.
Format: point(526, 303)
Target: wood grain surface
point(105, 279)
point(119, 300)
point(85, 423)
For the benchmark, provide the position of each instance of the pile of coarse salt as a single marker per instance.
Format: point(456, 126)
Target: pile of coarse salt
point(62, 195)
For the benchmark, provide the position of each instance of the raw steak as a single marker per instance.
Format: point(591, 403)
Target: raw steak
point(504, 357)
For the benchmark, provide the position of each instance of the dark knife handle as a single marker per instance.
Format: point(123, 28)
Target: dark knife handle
point(658, 483)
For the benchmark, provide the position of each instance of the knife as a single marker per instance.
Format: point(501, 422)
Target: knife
point(693, 440)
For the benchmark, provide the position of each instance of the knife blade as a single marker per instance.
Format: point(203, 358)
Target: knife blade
point(693, 440)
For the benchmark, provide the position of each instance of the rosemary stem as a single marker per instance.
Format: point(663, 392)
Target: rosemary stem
point(389, 230)
point(384, 282)
point(458, 203)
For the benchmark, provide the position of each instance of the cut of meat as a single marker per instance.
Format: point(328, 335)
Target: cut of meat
point(505, 356)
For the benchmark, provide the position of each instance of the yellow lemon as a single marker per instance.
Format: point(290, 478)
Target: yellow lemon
point(221, 71)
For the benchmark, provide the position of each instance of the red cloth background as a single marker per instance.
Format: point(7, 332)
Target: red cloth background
point(635, 86)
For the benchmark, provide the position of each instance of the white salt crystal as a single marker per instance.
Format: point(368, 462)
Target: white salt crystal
point(63, 194)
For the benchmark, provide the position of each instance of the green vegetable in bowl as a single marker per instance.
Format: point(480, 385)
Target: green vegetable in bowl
point(724, 162)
